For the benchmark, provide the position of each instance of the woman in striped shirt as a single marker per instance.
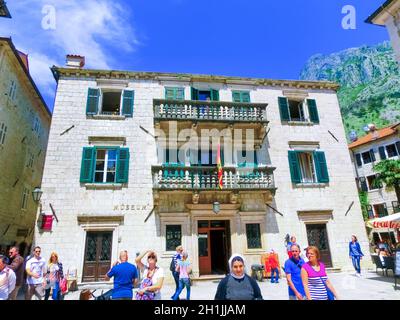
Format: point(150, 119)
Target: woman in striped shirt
point(314, 277)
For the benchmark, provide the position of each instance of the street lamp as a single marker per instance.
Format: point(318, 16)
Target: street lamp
point(37, 194)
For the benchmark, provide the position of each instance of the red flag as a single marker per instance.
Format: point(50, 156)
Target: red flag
point(219, 167)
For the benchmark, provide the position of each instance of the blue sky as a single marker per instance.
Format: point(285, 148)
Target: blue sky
point(263, 38)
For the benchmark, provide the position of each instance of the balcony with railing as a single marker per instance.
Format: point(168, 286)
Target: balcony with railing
point(209, 111)
point(206, 178)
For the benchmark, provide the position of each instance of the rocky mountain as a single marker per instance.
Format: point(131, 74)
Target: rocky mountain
point(370, 84)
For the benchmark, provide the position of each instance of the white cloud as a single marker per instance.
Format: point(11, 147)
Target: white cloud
point(93, 28)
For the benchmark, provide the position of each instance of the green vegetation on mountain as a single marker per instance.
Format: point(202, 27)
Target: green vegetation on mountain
point(370, 84)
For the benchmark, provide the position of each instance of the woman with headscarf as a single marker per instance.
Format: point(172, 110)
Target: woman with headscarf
point(238, 285)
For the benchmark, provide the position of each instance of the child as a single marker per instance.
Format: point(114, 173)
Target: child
point(273, 263)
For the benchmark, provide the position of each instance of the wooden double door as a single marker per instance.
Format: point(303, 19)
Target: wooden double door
point(318, 236)
point(214, 246)
point(98, 250)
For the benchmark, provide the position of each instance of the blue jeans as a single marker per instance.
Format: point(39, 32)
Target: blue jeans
point(184, 282)
point(176, 278)
point(56, 295)
point(273, 271)
point(356, 263)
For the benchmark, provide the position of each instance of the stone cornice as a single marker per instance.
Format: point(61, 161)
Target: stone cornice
point(60, 72)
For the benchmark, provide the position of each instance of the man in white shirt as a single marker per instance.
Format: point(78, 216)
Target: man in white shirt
point(7, 279)
point(36, 279)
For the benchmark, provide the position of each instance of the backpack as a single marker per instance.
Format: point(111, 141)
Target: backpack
point(172, 265)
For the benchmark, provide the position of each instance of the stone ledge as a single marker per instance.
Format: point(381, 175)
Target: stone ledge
point(101, 186)
point(300, 123)
point(311, 185)
point(105, 117)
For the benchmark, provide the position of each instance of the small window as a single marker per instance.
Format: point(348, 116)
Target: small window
point(36, 125)
point(13, 90)
point(366, 156)
point(31, 158)
point(3, 131)
point(111, 102)
point(296, 110)
point(396, 206)
point(106, 162)
point(25, 197)
point(380, 210)
point(372, 183)
point(173, 237)
point(253, 235)
point(307, 167)
point(391, 151)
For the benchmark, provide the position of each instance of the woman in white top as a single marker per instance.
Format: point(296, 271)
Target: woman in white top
point(153, 277)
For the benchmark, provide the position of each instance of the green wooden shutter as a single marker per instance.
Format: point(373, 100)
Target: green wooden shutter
point(195, 94)
point(92, 103)
point(122, 165)
point(127, 103)
point(358, 160)
point(294, 165)
point(321, 167)
point(169, 94)
point(179, 94)
point(372, 153)
point(246, 97)
point(284, 108)
point(214, 95)
point(174, 93)
point(312, 110)
point(87, 165)
point(236, 97)
point(382, 153)
point(241, 96)
point(398, 147)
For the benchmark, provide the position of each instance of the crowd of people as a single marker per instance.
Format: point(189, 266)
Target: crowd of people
point(305, 275)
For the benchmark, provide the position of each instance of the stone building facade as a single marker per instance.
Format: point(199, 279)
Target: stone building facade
point(388, 15)
point(367, 151)
point(24, 128)
point(114, 186)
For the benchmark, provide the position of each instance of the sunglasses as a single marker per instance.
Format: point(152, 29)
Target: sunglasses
point(151, 257)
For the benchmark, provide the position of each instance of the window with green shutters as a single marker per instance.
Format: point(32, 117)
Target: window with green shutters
point(241, 96)
point(308, 167)
point(104, 165)
point(294, 110)
point(110, 102)
point(203, 95)
point(174, 93)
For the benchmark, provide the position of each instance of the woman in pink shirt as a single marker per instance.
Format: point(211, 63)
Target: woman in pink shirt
point(313, 275)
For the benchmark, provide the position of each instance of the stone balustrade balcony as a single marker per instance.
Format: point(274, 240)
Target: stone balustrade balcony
point(209, 111)
point(206, 178)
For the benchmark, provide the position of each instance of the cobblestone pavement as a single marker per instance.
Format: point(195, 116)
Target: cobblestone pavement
point(370, 286)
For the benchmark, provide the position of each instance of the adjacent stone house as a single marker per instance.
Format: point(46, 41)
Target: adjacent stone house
point(367, 151)
point(24, 128)
point(132, 164)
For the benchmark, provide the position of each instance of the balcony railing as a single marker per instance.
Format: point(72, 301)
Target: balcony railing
point(206, 178)
point(209, 110)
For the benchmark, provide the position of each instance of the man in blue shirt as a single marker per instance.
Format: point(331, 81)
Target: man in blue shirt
point(125, 277)
point(293, 274)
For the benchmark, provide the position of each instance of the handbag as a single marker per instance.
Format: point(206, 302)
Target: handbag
point(330, 294)
point(63, 286)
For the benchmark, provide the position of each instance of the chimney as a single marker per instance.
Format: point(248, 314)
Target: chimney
point(75, 61)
